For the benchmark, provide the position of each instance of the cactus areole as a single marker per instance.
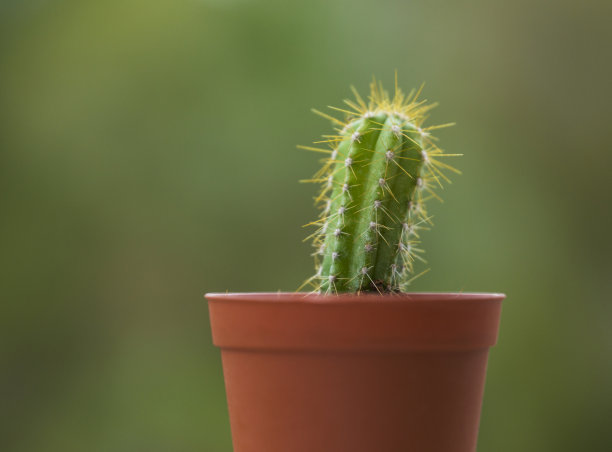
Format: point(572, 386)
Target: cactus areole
point(382, 167)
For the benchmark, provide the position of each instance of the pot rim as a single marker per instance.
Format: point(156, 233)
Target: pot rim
point(302, 321)
point(310, 297)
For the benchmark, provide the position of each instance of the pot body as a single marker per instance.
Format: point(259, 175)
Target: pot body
point(354, 373)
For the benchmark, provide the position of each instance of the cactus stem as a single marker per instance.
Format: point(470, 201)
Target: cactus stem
point(372, 211)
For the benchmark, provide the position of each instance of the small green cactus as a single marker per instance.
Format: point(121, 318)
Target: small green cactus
point(383, 166)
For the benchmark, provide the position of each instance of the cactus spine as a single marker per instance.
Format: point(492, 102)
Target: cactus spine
point(382, 167)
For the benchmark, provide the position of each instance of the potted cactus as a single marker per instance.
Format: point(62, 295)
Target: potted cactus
point(357, 363)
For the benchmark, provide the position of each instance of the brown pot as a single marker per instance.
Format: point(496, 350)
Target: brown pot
point(354, 373)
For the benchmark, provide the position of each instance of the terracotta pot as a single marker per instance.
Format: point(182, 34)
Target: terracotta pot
point(354, 373)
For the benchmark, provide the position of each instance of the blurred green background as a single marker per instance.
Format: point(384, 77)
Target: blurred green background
point(147, 156)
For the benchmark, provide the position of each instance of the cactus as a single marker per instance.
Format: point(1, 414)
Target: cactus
point(382, 167)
